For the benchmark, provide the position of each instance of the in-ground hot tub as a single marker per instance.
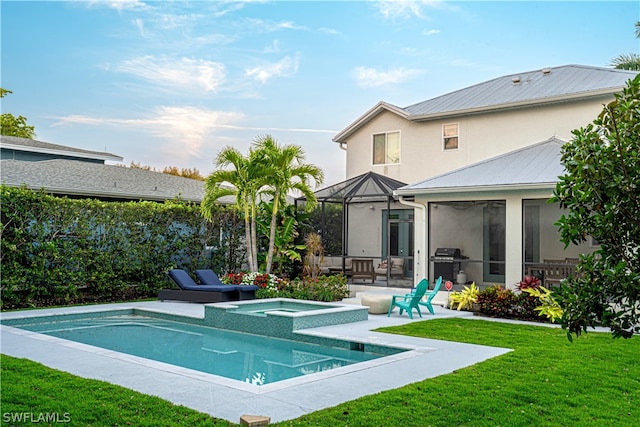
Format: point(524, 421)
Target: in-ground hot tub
point(280, 316)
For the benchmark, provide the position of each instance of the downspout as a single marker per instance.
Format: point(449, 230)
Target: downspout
point(342, 146)
point(421, 258)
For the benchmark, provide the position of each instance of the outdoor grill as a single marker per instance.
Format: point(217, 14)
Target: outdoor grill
point(446, 263)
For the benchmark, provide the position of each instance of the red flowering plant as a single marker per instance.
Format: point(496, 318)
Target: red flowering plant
point(262, 280)
point(529, 282)
point(232, 278)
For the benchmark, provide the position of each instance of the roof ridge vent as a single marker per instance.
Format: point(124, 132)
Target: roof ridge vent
point(515, 80)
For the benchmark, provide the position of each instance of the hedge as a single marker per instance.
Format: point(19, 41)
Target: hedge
point(58, 251)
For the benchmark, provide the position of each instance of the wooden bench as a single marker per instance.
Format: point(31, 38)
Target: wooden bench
point(551, 272)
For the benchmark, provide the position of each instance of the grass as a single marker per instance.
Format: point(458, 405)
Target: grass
point(545, 381)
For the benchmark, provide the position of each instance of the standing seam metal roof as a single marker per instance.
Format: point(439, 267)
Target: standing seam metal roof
point(543, 84)
point(536, 164)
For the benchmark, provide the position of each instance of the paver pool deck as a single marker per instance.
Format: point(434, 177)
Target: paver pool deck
point(228, 399)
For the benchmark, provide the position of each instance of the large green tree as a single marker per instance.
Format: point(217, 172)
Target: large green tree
point(11, 125)
point(243, 177)
point(628, 61)
point(601, 191)
point(286, 171)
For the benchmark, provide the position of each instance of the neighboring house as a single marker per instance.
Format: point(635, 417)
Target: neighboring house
point(67, 171)
point(482, 162)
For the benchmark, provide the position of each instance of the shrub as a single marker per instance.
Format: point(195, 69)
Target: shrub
point(529, 282)
point(58, 251)
point(323, 288)
point(496, 301)
point(465, 298)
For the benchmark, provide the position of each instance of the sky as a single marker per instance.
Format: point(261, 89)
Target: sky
point(171, 83)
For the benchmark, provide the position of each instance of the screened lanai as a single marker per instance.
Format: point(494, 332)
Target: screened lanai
point(374, 224)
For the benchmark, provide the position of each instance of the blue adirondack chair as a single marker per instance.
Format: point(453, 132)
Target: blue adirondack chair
point(409, 301)
point(430, 294)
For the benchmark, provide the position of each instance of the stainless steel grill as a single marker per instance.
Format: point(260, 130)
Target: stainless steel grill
point(446, 263)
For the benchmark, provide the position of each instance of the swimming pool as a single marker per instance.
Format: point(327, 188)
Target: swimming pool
point(250, 358)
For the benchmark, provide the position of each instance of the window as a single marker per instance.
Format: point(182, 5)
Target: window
point(386, 148)
point(450, 136)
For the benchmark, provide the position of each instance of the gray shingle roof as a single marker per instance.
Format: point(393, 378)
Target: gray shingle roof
point(32, 145)
point(543, 85)
point(101, 181)
point(535, 165)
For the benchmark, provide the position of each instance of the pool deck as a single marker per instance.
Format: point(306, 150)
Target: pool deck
point(228, 399)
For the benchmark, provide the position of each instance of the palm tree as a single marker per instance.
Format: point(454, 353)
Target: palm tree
point(245, 178)
point(629, 61)
point(285, 172)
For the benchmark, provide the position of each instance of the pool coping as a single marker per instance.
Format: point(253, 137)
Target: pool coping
point(229, 399)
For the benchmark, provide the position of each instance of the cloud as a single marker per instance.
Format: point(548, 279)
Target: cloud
point(195, 74)
point(184, 129)
point(185, 133)
point(120, 5)
point(286, 67)
point(139, 24)
point(370, 77)
point(430, 32)
point(405, 9)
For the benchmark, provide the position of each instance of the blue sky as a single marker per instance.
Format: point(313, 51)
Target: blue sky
point(171, 83)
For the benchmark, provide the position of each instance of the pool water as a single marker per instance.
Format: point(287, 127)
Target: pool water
point(244, 357)
point(263, 307)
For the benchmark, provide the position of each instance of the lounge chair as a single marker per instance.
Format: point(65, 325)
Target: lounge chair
point(409, 301)
point(209, 277)
point(192, 292)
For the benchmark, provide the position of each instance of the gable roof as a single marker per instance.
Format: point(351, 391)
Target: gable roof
point(74, 178)
point(34, 146)
point(535, 166)
point(543, 86)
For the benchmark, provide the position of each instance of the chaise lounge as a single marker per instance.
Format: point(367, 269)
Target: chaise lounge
point(210, 278)
point(192, 292)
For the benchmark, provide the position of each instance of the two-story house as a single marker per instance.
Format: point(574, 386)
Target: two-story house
point(481, 162)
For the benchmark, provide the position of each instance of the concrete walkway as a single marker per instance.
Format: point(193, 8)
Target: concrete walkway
point(228, 399)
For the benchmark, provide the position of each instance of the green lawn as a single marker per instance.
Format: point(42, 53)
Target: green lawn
point(546, 380)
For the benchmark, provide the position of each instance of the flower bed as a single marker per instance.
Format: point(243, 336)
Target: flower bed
point(323, 288)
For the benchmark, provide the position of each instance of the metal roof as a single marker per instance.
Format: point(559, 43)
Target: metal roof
point(368, 187)
point(76, 178)
point(543, 86)
point(32, 145)
point(537, 165)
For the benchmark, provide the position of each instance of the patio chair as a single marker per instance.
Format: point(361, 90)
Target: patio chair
point(192, 292)
point(409, 301)
point(210, 278)
point(430, 294)
point(362, 269)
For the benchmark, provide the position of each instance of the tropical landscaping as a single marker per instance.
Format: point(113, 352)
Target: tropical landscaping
point(545, 380)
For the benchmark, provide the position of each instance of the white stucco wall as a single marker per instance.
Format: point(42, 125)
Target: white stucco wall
point(481, 136)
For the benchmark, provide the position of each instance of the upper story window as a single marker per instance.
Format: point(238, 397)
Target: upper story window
point(450, 136)
point(386, 148)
